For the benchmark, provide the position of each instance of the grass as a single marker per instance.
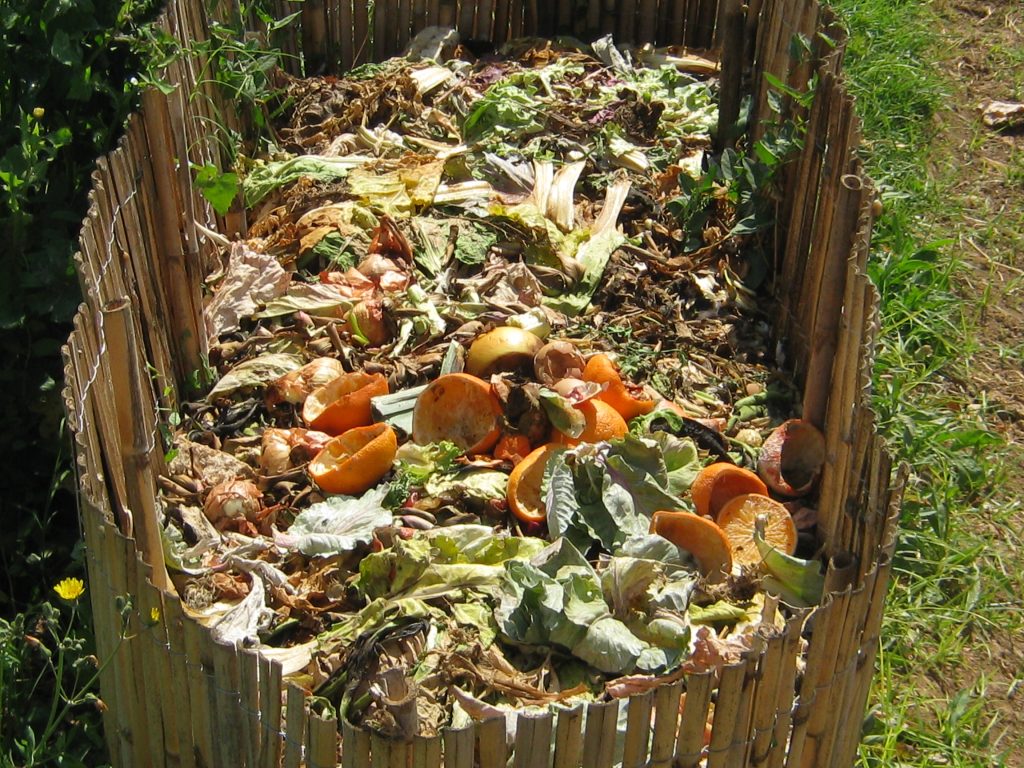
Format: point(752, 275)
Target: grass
point(952, 590)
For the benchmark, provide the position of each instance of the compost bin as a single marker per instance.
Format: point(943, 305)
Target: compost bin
point(177, 697)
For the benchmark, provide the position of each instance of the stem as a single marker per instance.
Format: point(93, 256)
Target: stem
point(58, 693)
point(71, 701)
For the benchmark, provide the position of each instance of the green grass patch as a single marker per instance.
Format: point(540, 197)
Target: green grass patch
point(951, 589)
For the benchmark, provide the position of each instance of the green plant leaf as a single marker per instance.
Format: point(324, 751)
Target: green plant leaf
point(219, 189)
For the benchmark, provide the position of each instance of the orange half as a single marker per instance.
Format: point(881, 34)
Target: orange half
point(524, 485)
point(603, 422)
point(343, 403)
point(460, 408)
point(738, 519)
point(602, 370)
point(355, 461)
point(718, 483)
point(699, 536)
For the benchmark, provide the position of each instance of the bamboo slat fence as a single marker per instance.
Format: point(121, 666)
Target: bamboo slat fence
point(175, 697)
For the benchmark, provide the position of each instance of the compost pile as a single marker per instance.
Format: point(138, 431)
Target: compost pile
point(495, 420)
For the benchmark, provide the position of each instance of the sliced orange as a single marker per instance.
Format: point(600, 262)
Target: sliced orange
point(700, 537)
point(524, 485)
point(460, 408)
point(738, 519)
point(512, 447)
point(602, 370)
point(356, 460)
point(343, 403)
point(603, 422)
point(720, 482)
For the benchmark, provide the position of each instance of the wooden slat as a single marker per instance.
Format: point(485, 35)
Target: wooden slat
point(163, 707)
point(502, 19)
point(466, 19)
point(516, 17)
point(362, 45)
point(355, 746)
point(785, 691)
point(727, 712)
point(426, 752)
point(346, 34)
point(626, 32)
point(404, 25)
point(647, 23)
point(666, 722)
point(635, 747)
point(433, 13)
point(458, 747)
point(249, 704)
point(379, 34)
point(532, 748)
point(492, 749)
point(569, 737)
point(763, 718)
point(294, 726)
point(272, 745)
point(690, 741)
point(599, 734)
point(105, 617)
point(131, 699)
point(323, 742)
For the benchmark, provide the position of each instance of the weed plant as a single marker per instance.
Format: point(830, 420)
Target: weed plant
point(70, 74)
point(949, 587)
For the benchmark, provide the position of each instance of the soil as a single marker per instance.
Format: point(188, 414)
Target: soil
point(985, 41)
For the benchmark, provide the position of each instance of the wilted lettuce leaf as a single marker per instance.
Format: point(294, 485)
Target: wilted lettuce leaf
point(373, 615)
point(333, 248)
point(530, 605)
point(720, 612)
point(478, 616)
point(390, 571)
point(337, 524)
point(473, 242)
point(798, 582)
point(605, 493)
point(626, 582)
point(610, 647)
point(592, 255)
point(442, 561)
point(254, 373)
point(682, 462)
point(472, 484)
point(650, 546)
point(417, 463)
point(561, 413)
point(264, 178)
point(480, 544)
point(430, 244)
point(613, 622)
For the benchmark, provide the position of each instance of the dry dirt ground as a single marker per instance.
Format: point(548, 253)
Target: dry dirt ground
point(984, 43)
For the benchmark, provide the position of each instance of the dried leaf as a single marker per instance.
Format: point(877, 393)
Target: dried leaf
point(252, 279)
point(255, 373)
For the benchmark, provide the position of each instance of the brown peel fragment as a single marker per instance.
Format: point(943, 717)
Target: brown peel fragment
point(792, 457)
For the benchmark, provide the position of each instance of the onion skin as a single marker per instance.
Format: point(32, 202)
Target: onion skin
point(233, 500)
point(558, 360)
point(367, 320)
point(285, 449)
point(791, 458)
point(503, 350)
point(295, 387)
point(275, 452)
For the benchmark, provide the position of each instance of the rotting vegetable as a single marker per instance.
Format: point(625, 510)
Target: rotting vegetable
point(491, 323)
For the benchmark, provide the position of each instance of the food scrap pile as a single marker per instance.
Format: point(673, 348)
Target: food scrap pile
point(494, 420)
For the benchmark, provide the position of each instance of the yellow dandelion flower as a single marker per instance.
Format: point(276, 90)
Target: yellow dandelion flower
point(154, 615)
point(70, 589)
